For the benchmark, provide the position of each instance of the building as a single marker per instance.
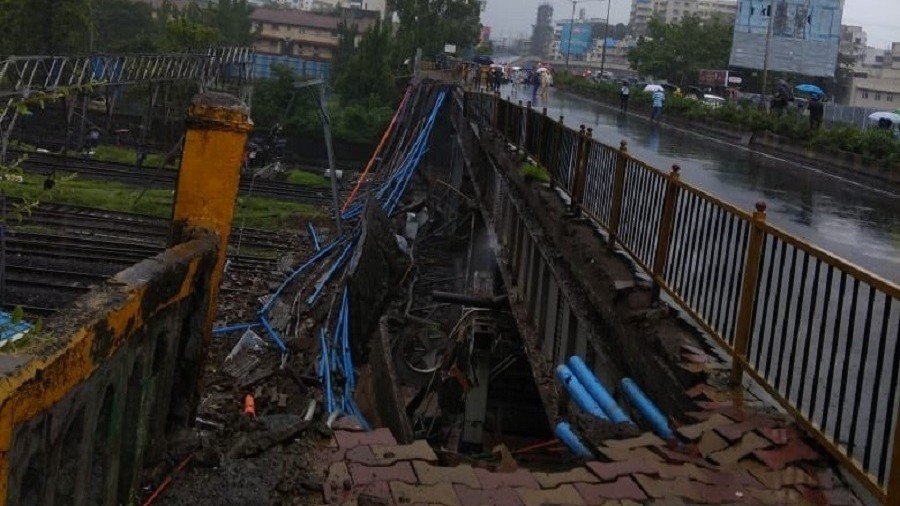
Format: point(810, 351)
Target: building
point(542, 36)
point(379, 6)
point(301, 39)
point(877, 86)
point(673, 11)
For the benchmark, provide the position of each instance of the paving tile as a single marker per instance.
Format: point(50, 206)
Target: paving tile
point(825, 478)
point(696, 358)
point(834, 497)
point(374, 494)
point(363, 474)
point(349, 439)
point(576, 475)
point(694, 492)
point(418, 450)
point(338, 484)
point(729, 476)
point(735, 431)
point(477, 497)
point(780, 456)
point(441, 493)
point(710, 442)
point(494, 480)
point(608, 471)
point(359, 455)
point(619, 455)
point(622, 488)
point(645, 439)
point(774, 480)
point(708, 391)
point(684, 455)
point(693, 432)
point(693, 368)
point(692, 349)
point(774, 497)
point(748, 444)
point(779, 435)
point(564, 495)
point(429, 474)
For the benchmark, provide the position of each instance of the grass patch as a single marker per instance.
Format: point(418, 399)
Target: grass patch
point(305, 178)
point(256, 212)
point(121, 154)
point(533, 172)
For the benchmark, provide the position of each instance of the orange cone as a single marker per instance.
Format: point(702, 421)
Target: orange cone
point(249, 406)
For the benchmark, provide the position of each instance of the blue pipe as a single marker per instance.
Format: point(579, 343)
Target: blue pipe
point(647, 409)
point(306, 265)
point(272, 332)
point(326, 374)
point(564, 433)
point(594, 387)
point(578, 393)
point(313, 235)
point(233, 328)
point(327, 278)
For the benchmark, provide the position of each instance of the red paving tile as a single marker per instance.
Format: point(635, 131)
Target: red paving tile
point(576, 475)
point(708, 391)
point(359, 455)
point(623, 488)
point(694, 492)
point(780, 435)
point(608, 471)
point(429, 474)
point(564, 495)
point(476, 497)
point(619, 455)
point(417, 450)
point(348, 439)
point(735, 431)
point(693, 432)
point(338, 484)
point(748, 444)
point(645, 439)
point(441, 493)
point(834, 497)
point(373, 494)
point(518, 479)
point(778, 457)
point(401, 471)
point(710, 442)
point(696, 358)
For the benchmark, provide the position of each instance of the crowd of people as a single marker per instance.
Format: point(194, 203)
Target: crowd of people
point(532, 83)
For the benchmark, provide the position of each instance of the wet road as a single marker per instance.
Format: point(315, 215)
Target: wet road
point(856, 221)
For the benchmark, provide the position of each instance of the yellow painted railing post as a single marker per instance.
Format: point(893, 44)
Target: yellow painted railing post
point(615, 212)
point(666, 224)
point(748, 293)
point(208, 181)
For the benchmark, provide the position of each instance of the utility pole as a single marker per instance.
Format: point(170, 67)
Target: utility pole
point(326, 131)
point(572, 27)
point(765, 78)
point(605, 38)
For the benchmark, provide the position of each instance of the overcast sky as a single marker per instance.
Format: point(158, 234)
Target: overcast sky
point(880, 18)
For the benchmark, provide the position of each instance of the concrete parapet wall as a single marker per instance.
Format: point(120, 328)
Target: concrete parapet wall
point(81, 414)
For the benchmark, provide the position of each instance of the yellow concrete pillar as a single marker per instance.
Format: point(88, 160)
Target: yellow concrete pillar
point(207, 188)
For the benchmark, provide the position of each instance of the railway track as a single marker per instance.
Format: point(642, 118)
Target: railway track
point(60, 252)
point(154, 177)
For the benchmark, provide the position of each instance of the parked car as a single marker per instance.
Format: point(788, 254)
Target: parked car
point(713, 101)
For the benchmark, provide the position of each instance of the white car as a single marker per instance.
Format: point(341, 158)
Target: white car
point(713, 101)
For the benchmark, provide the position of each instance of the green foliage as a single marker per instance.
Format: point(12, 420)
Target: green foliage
point(365, 76)
point(485, 49)
point(677, 51)
point(259, 212)
point(533, 172)
point(181, 34)
point(305, 178)
point(429, 24)
point(121, 154)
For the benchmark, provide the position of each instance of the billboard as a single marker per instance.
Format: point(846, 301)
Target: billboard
point(804, 36)
point(581, 39)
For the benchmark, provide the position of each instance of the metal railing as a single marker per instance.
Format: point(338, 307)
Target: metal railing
point(815, 331)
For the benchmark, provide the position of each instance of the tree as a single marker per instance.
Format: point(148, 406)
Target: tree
point(677, 51)
point(45, 26)
point(366, 75)
point(123, 26)
point(232, 20)
point(183, 34)
point(430, 24)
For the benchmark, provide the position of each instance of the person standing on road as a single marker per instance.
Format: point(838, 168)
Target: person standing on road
point(545, 85)
point(535, 85)
point(816, 112)
point(658, 98)
point(623, 97)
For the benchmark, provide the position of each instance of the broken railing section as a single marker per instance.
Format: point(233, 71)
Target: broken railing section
point(101, 386)
point(335, 364)
point(806, 325)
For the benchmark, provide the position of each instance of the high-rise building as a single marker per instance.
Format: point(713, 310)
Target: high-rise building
point(542, 35)
point(672, 11)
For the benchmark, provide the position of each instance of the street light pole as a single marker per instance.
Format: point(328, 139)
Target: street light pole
point(605, 38)
point(572, 27)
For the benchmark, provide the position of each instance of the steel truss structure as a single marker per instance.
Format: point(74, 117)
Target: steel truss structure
point(23, 77)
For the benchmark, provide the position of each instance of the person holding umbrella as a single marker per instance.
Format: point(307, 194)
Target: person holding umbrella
point(816, 111)
point(623, 97)
point(658, 98)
